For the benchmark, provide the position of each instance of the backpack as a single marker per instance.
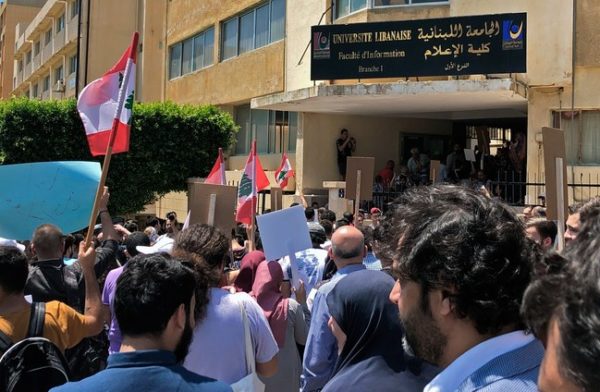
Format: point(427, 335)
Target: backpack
point(35, 363)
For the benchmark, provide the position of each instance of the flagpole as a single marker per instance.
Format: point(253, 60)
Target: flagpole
point(255, 196)
point(111, 142)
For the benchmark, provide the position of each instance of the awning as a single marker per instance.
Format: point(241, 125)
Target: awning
point(451, 99)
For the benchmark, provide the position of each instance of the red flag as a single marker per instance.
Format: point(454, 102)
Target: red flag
point(284, 172)
point(253, 180)
point(217, 174)
point(106, 104)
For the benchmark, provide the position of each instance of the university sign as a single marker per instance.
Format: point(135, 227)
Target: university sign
point(432, 47)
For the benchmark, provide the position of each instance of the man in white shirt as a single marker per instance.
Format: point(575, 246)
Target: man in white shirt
point(463, 263)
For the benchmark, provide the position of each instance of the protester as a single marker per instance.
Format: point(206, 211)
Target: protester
point(368, 333)
point(63, 325)
point(345, 147)
point(463, 264)
point(561, 309)
point(370, 261)
point(154, 305)
point(310, 264)
point(578, 215)
point(288, 321)
point(247, 273)
point(50, 279)
point(218, 347)
point(110, 284)
point(387, 173)
point(347, 251)
point(543, 232)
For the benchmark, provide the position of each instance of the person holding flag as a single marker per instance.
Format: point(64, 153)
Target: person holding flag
point(105, 107)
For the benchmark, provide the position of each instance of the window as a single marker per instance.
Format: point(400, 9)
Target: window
point(36, 48)
point(253, 29)
point(28, 57)
point(277, 20)
point(191, 54)
point(48, 37)
point(35, 91)
point(60, 23)
point(59, 74)
point(74, 8)
point(582, 135)
point(230, 39)
point(345, 7)
point(175, 61)
point(186, 63)
point(72, 64)
point(46, 83)
point(274, 131)
point(20, 65)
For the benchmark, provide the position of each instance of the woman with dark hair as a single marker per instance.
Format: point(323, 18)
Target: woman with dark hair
point(288, 321)
point(369, 335)
point(218, 349)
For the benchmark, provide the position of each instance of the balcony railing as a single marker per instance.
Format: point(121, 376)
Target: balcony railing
point(59, 41)
point(47, 52)
point(46, 94)
point(72, 29)
point(20, 41)
point(27, 69)
point(36, 62)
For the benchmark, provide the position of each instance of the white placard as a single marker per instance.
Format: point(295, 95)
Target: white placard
point(469, 155)
point(283, 232)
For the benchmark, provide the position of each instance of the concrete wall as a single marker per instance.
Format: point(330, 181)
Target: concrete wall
point(549, 34)
point(152, 72)
point(235, 80)
point(112, 23)
point(13, 15)
point(375, 136)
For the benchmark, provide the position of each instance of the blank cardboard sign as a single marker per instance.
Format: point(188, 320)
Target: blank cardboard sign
point(199, 198)
point(554, 147)
point(366, 165)
point(284, 232)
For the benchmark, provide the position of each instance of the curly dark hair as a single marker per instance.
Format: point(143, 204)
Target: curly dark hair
point(578, 315)
point(473, 248)
point(205, 247)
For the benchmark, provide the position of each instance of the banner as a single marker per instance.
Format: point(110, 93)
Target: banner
point(466, 45)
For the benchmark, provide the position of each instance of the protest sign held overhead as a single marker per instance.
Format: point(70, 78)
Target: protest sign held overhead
point(283, 232)
point(60, 193)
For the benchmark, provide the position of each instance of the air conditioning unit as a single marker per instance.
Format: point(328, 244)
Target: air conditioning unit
point(60, 86)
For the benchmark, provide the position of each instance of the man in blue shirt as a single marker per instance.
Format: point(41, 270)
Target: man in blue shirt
point(154, 305)
point(347, 251)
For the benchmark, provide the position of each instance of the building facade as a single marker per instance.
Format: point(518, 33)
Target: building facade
point(69, 43)
point(252, 58)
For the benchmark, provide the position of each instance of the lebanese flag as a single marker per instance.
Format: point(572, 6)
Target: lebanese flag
point(284, 172)
point(253, 180)
point(217, 174)
point(106, 104)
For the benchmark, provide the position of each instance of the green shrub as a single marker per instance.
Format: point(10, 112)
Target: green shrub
point(169, 143)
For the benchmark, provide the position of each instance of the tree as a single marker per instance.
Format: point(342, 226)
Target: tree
point(169, 143)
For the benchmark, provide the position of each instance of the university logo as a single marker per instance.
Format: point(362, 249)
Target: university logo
point(513, 34)
point(321, 45)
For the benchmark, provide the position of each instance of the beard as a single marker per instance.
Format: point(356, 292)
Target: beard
point(181, 350)
point(423, 336)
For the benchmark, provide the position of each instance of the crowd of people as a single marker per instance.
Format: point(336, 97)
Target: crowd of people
point(448, 290)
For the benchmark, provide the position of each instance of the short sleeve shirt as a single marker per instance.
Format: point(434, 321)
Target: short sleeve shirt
point(108, 295)
point(218, 347)
point(63, 326)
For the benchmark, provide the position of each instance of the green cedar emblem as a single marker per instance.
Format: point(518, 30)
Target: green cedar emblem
point(245, 186)
point(282, 175)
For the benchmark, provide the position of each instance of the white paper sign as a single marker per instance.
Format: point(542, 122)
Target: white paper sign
point(469, 155)
point(283, 232)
